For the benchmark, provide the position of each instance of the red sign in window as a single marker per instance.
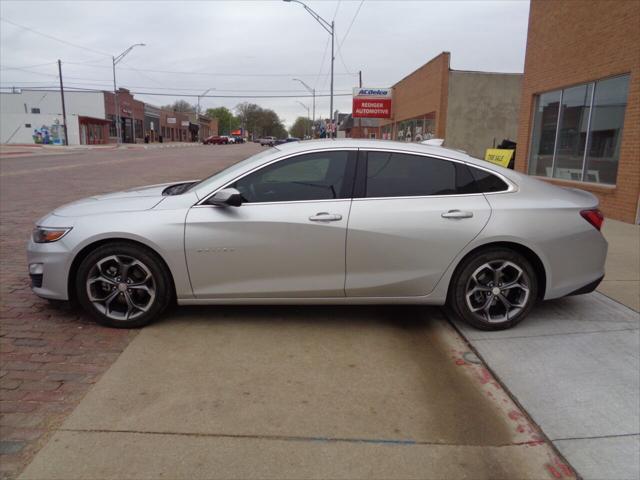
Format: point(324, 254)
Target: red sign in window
point(371, 107)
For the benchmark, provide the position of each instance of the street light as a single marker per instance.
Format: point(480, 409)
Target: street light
point(307, 108)
point(117, 60)
point(330, 28)
point(313, 92)
point(198, 112)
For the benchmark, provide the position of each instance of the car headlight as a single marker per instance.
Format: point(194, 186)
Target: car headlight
point(49, 234)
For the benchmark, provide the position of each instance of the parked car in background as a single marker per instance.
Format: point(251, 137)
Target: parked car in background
point(286, 140)
point(268, 141)
point(230, 139)
point(237, 139)
point(326, 222)
point(215, 140)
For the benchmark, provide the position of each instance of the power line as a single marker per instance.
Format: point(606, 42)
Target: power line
point(6, 67)
point(350, 25)
point(193, 89)
point(53, 38)
point(346, 35)
point(209, 74)
point(185, 95)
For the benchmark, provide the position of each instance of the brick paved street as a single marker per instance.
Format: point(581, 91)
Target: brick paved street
point(50, 356)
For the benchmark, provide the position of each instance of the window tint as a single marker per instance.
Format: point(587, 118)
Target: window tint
point(314, 176)
point(401, 175)
point(487, 182)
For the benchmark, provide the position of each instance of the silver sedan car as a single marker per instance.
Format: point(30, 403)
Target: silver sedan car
point(326, 222)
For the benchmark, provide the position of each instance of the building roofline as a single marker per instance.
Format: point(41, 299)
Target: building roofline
point(424, 65)
point(486, 73)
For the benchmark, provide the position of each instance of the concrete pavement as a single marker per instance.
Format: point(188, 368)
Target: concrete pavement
point(574, 366)
point(50, 357)
point(622, 279)
point(308, 392)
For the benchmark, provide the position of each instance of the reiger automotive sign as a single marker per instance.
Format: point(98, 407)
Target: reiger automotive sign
point(371, 102)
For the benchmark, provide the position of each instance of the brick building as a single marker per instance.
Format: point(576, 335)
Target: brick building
point(131, 116)
point(174, 126)
point(360, 127)
point(472, 111)
point(580, 109)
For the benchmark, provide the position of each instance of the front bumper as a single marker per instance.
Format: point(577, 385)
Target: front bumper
point(49, 278)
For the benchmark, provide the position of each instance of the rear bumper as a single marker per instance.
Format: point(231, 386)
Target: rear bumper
point(588, 288)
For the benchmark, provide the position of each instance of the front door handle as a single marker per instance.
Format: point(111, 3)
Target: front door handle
point(325, 217)
point(456, 214)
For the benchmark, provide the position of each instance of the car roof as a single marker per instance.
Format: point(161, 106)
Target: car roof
point(293, 147)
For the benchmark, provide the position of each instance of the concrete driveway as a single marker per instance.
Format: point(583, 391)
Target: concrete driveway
point(297, 392)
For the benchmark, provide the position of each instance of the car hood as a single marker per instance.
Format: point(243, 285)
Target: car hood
point(136, 199)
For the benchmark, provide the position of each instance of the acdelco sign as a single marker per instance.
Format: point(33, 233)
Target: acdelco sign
point(371, 102)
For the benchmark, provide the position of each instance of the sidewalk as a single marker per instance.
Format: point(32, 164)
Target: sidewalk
point(298, 393)
point(622, 279)
point(574, 365)
point(27, 150)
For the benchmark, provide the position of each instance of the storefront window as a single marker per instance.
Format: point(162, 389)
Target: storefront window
point(577, 131)
point(545, 124)
point(112, 126)
point(605, 134)
point(574, 117)
point(415, 130)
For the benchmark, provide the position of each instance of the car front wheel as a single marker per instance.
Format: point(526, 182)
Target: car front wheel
point(123, 285)
point(493, 289)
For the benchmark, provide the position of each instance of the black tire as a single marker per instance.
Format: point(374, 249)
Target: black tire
point(479, 265)
point(155, 273)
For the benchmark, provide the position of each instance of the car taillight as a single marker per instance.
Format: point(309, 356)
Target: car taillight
point(594, 217)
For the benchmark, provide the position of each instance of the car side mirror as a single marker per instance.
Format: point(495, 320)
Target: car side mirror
point(227, 197)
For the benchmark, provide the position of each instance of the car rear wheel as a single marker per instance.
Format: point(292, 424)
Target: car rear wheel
point(493, 289)
point(123, 285)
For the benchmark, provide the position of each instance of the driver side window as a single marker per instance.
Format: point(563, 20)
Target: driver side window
point(313, 176)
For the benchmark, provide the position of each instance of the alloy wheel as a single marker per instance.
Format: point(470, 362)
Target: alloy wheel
point(497, 291)
point(121, 287)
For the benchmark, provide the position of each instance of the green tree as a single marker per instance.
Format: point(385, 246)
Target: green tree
point(227, 121)
point(301, 127)
point(180, 106)
point(260, 122)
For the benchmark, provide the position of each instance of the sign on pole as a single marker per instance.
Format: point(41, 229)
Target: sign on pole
point(371, 102)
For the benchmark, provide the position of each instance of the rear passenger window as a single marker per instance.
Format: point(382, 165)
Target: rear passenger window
point(403, 175)
point(406, 175)
point(487, 182)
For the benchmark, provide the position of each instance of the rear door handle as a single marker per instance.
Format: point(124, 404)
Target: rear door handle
point(456, 214)
point(325, 217)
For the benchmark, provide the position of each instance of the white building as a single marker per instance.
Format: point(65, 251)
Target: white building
point(35, 116)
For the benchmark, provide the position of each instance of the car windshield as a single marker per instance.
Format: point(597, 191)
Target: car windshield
point(235, 167)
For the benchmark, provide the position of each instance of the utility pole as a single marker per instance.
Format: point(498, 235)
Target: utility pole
point(198, 113)
point(115, 61)
point(115, 99)
point(64, 110)
point(308, 119)
point(334, 129)
point(313, 93)
point(360, 85)
point(331, 30)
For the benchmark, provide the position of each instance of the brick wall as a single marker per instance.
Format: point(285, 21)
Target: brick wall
point(422, 92)
point(578, 41)
point(363, 132)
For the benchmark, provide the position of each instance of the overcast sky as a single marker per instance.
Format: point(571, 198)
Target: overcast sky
point(253, 48)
